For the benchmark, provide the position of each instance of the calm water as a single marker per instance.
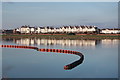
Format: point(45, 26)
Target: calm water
point(100, 59)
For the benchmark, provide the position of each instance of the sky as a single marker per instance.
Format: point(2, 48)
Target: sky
point(57, 14)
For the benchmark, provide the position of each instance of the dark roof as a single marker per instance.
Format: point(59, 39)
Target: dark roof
point(49, 27)
point(42, 27)
point(77, 26)
point(57, 28)
point(82, 26)
point(31, 27)
point(71, 27)
point(24, 26)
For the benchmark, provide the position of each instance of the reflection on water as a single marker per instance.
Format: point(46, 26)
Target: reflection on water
point(38, 41)
point(47, 42)
point(101, 61)
point(106, 43)
point(110, 41)
point(56, 42)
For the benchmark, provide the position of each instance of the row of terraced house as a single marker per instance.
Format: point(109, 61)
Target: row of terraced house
point(65, 29)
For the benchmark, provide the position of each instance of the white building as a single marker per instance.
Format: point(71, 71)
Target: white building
point(110, 31)
point(50, 29)
point(24, 29)
point(38, 30)
point(32, 29)
point(17, 30)
point(64, 29)
point(78, 29)
point(43, 30)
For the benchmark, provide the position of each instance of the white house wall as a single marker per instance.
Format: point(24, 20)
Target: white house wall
point(63, 29)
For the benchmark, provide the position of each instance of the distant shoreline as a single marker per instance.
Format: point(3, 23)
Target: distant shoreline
point(64, 36)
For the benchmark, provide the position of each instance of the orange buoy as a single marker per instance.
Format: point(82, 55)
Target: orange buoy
point(67, 67)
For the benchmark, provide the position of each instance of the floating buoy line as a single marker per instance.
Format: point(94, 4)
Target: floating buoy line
point(66, 67)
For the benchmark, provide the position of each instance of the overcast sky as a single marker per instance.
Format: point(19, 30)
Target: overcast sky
point(101, 14)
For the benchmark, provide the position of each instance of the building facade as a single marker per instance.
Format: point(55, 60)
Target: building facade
point(65, 29)
point(110, 31)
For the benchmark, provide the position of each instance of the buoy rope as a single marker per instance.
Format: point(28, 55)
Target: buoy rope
point(66, 67)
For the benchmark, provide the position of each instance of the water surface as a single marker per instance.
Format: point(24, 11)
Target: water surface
point(100, 59)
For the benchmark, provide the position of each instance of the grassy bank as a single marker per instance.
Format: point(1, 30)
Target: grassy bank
point(63, 36)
